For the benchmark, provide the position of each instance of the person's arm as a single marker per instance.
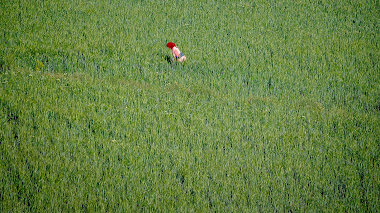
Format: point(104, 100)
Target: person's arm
point(176, 52)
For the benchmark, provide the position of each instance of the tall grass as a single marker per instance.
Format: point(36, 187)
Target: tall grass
point(276, 108)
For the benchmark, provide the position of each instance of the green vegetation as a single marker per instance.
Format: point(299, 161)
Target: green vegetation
point(276, 108)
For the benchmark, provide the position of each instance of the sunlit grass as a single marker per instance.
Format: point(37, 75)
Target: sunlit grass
point(276, 108)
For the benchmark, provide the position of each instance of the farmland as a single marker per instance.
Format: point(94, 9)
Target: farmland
point(276, 108)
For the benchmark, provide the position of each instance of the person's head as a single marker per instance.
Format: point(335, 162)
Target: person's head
point(170, 45)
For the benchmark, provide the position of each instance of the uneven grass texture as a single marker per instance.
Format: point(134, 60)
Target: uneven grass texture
point(276, 108)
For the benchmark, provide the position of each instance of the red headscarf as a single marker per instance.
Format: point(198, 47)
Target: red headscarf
point(170, 45)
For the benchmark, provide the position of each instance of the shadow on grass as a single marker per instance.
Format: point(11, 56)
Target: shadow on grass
point(168, 59)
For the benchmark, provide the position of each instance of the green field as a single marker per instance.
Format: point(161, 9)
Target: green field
point(277, 107)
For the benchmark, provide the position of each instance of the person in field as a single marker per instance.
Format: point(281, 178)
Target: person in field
point(177, 54)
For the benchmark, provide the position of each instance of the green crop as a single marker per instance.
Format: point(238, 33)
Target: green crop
point(275, 109)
